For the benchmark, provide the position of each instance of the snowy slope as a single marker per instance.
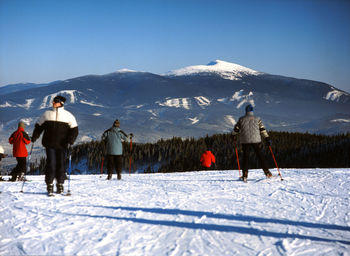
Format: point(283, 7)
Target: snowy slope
point(198, 213)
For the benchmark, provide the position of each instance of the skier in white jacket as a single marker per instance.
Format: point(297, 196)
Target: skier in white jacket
point(60, 131)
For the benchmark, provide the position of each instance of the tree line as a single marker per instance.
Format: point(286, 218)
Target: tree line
point(292, 150)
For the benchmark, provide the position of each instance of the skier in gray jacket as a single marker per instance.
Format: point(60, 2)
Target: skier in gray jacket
point(251, 129)
point(113, 138)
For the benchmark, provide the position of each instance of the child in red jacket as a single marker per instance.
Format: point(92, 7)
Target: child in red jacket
point(19, 139)
point(206, 159)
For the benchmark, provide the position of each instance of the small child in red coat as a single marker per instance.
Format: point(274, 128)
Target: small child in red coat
point(19, 139)
point(207, 159)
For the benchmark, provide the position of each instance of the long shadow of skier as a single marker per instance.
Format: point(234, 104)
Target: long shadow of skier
point(237, 217)
point(215, 227)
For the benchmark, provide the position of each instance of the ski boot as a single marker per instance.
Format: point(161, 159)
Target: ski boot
point(60, 188)
point(244, 177)
point(119, 176)
point(21, 177)
point(109, 177)
point(268, 173)
point(50, 190)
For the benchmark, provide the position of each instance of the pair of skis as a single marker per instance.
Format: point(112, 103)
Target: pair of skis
point(62, 194)
point(273, 156)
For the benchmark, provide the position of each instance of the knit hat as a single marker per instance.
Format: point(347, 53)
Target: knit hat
point(249, 108)
point(21, 124)
point(59, 99)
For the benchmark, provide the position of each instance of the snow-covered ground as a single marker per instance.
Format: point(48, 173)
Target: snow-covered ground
point(196, 213)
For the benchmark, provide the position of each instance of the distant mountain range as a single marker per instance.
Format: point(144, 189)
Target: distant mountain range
point(189, 102)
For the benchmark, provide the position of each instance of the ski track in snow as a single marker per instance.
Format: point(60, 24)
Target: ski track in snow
point(196, 213)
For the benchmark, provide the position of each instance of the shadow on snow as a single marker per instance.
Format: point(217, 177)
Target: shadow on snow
point(220, 228)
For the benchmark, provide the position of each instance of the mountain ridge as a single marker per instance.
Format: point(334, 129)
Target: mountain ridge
point(156, 106)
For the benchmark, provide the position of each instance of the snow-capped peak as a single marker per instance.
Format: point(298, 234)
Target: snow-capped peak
point(125, 70)
point(221, 65)
point(225, 69)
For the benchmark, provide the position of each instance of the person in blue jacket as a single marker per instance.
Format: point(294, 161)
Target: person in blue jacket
point(113, 139)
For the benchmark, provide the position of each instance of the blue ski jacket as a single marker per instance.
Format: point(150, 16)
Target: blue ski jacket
point(113, 138)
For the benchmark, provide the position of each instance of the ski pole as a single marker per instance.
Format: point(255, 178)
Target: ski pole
point(102, 166)
point(69, 170)
point(130, 157)
point(103, 154)
point(239, 167)
point(274, 159)
point(28, 166)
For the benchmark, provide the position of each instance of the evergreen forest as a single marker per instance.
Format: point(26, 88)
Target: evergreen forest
point(291, 150)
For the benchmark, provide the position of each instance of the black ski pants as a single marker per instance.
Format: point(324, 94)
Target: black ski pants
point(257, 149)
point(20, 167)
point(114, 162)
point(54, 165)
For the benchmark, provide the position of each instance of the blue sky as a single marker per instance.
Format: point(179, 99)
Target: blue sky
point(43, 41)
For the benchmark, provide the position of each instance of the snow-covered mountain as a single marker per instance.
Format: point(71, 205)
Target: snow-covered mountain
point(224, 69)
point(21, 87)
point(192, 101)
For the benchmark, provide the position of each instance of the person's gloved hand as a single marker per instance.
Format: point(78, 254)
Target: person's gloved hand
point(32, 139)
point(70, 149)
point(268, 142)
point(131, 135)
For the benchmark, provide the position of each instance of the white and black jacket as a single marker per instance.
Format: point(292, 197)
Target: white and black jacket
point(59, 126)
